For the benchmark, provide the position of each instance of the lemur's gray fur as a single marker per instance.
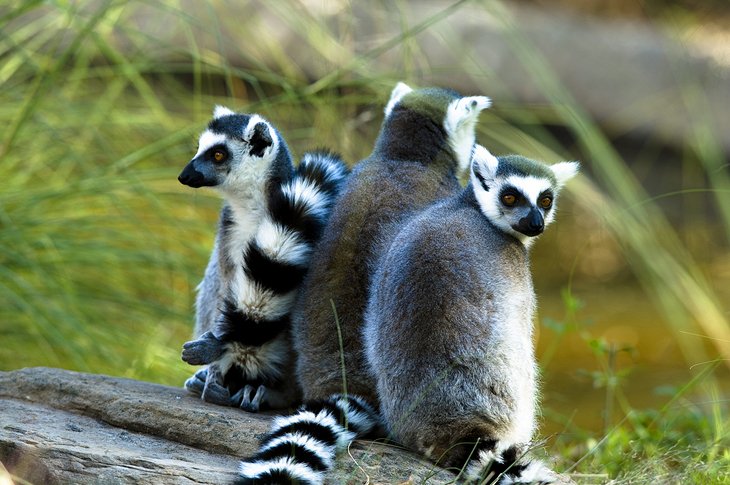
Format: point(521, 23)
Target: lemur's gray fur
point(448, 329)
point(426, 139)
point(208, 298)
point(424, 143)
point(272, 216)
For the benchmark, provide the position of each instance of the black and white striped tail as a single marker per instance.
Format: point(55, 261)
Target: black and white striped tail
point(301, 447)
point(492, 465)
point(276, 260)
point(304, 203)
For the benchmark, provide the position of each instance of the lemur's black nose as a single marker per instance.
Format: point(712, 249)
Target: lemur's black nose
point(532, 224)
point(191, 177)
point(535, 225)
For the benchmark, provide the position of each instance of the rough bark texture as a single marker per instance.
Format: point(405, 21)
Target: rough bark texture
point(58, 427)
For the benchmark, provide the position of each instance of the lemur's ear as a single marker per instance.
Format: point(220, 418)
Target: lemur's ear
point(471, 106)
point(463, 109)
point(400, 90)
point(220, 111)
point(565, 171)
point(259, 136)
point(483, 167)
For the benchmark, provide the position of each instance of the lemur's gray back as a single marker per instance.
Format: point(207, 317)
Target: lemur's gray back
point(414, 162)
point(340, 274)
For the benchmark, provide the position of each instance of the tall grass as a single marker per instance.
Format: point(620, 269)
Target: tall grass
point(663, 265)
point(102, 248)
point(96, 271)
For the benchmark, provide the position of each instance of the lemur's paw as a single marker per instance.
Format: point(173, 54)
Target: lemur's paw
point(248, 400)
point(214, 391)
point(204, 350)
point(196, 383)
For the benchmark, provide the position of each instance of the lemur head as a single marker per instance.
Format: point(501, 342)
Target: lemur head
point(434, 112)
point(516, 194)
point(235, 151)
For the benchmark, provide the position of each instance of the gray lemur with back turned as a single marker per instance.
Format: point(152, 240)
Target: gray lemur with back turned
point(448, 329)
point(425, 143)
point(272, 216)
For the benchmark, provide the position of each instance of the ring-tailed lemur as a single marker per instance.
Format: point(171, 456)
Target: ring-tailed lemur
point(272, 216)
point(448, 329)
point(426, 139)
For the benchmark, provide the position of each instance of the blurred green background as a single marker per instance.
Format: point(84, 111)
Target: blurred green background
point(101, 103)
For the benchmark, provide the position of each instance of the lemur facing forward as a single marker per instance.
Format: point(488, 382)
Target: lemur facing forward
point(448, 330)
point(272, 216)
point(426, 139)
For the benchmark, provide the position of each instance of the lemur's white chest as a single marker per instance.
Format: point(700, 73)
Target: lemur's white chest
point(517, 350)
point(245, 192)
point(247, 218)
point(248, 212)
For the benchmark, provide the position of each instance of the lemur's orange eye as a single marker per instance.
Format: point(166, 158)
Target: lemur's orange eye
point(509, 199)
point(546, 202)
point(219, 156)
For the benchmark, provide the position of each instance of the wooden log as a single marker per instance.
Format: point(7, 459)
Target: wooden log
point(58, 426)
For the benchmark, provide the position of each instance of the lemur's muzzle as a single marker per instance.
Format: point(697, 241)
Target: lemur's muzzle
point(193, 178)
point(532, 224)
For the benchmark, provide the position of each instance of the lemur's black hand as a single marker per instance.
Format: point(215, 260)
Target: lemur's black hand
point(206, 349)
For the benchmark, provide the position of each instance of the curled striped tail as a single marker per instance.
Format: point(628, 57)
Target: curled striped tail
point(301, 448)
point(305, 202)
point(276, 260)
point(493, 463)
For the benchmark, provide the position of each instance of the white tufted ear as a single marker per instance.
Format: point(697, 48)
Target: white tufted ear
point(465, 109)
point(400, 90)
point(483, 167)
point(221, 111)
point(461, 117)
point(565, 171)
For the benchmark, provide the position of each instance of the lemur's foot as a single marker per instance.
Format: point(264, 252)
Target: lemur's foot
point(248, 400)
point(204, 350)
point(214, 391)
point(211, 389)
point(196, 383)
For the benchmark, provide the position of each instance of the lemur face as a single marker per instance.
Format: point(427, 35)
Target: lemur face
point(516, 194)
point(232, 150)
